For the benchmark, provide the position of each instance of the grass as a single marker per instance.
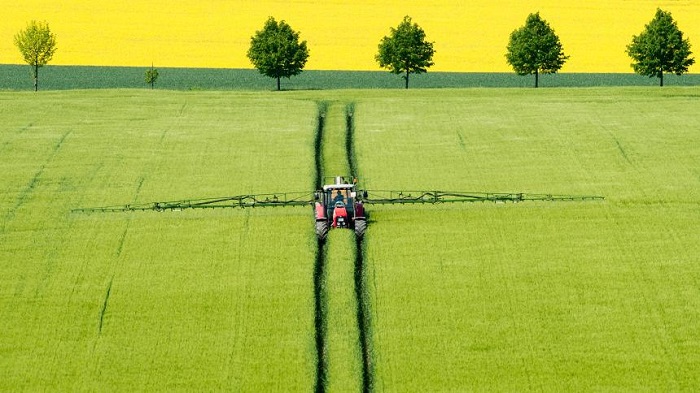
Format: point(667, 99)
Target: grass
point(535, 299)
point(159, 301)
point(17, 77)
point(561, 141)
point(538, 296)
point(531, 296)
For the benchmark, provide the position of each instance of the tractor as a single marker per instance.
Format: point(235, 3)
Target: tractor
point(338, 205)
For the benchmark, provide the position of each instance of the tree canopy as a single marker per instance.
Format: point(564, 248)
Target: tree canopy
point(276, 51)
point(405, 50)
point(37, 44)
point(660, 48)
point(535, 49)
point(151, 76)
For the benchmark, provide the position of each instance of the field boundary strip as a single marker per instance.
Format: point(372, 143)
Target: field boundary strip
point(57, 77)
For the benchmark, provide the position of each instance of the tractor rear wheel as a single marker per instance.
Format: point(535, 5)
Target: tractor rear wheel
point(360, 228)
point(321, 229)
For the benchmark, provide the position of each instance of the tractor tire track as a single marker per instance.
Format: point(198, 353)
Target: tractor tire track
point(19, 132)
point(620, 148)
point(120, 246)
point(350, 138)
point(113, 268)
point(622, 151)
point(178, 120)
point(104, 306)
point(321, 292)
point(363, 317)
point(462, 145)
point(364, 323)
point(320, 298)
point(320, 317)
point(318, 143)
point(122, 239)
point(29, 189)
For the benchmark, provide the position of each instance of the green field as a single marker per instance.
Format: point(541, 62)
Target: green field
point(553, 296)
point(18, 77)
point(539, 296)
point(205, 299)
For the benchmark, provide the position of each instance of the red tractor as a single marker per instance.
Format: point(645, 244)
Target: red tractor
point(339, 206)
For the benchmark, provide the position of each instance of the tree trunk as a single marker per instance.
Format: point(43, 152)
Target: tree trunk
point(278, 83)
point(537, 78)
point(36, 77)
point(407, 79)
point(661, 78)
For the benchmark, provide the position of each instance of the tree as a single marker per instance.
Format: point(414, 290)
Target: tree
point(660, 48)
point(37, 45)
point(405, 50)
point(276, 51)
point(535, 49)
point(151, 76)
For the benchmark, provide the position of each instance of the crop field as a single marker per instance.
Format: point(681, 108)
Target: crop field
point(543, 296)
point(146, 300)
point(341, 35)
point(532, 296)
point(17, 77)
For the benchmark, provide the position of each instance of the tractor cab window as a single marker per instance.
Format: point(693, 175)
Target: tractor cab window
point(339, 197)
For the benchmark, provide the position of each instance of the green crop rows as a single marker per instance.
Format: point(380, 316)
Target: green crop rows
point(17, 77)
point(538, 296)
point(173, 300)
point(554, 296)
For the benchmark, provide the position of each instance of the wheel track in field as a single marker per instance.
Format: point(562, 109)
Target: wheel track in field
point(104, 306)
point(320, 263)
point(364, 323)
point(362, 309)
point(363, 316)
point(318, 143)
point(118, 253)
point(350, 138)
point(320, 303)
point(13, 136)
point(26, 193)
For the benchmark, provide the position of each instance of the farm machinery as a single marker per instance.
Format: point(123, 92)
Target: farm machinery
point(338, 204)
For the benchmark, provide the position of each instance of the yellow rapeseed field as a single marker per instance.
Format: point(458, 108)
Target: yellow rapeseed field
point(343, 35)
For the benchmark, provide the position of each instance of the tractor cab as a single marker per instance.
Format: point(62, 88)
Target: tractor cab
point(339, 195)
point(338, 206)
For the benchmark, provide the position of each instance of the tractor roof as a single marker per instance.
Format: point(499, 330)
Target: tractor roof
point(339, 183)
point(338, 187)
